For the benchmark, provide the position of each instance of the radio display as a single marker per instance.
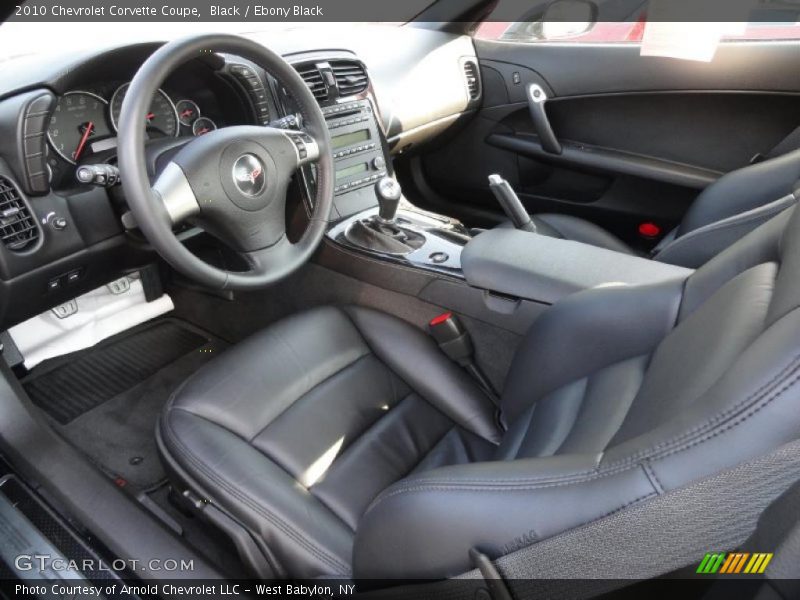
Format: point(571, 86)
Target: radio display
point(352, 170)
point(348, 139)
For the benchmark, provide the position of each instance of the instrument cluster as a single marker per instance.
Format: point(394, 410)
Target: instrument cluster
point(85, 122)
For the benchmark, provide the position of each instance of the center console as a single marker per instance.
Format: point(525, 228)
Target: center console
point(356, 144)
point(412, 238)
point(370, 216)
point(505, 275)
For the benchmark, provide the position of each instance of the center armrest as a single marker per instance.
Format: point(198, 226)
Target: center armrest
point(545, 269)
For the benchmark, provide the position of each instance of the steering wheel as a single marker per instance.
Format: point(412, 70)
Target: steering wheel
point(230, 182)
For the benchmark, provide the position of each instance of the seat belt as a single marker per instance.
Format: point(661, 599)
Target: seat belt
point(788, 144)
point(454, 340)
point(498, 590)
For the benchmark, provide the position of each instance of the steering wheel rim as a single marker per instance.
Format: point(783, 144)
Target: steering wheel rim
point(249, 218)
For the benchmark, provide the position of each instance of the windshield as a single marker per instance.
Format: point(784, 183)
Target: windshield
point(26, 38)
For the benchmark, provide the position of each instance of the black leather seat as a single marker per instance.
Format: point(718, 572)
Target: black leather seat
point(724, 212)
point(348, 445)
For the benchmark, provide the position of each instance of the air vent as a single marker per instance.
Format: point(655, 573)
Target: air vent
point(473, 81)
point(351, 78)
point(313, 78)
point(18, 229)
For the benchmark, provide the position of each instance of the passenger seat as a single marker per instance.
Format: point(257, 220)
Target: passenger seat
point(723, 213)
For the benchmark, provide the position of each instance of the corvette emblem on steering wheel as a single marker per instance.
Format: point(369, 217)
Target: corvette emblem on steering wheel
point(248, 175)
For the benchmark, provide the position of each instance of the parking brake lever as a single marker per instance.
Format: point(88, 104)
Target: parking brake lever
point(537, 98)
point(511, 203)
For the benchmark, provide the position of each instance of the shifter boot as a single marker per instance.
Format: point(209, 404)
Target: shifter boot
point(373, 234)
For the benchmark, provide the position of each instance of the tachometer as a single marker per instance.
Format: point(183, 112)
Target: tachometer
point(161, 120)
point(78, 120)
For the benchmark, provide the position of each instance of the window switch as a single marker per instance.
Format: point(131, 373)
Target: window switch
point(53, 285)
point(73, 276)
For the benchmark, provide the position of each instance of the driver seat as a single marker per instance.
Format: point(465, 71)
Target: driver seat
point(346, 444)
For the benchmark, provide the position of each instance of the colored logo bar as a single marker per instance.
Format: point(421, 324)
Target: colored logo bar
point(734, 563)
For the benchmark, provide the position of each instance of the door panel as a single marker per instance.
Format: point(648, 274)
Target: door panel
point(711, 130)
point(641, 136)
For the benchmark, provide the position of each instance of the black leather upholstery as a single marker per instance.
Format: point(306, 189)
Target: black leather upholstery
point(345, 441)
point(724, 212)
point(354, 395)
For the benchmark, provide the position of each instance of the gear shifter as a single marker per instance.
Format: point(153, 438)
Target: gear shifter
point(382, 232)
point(388, 191)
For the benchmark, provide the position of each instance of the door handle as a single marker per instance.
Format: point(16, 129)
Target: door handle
point(537, 98)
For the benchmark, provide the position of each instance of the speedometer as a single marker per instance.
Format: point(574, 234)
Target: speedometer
point(161, 120)
point(78, 120)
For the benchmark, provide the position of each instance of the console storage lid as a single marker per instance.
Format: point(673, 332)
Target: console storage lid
point(545, 269)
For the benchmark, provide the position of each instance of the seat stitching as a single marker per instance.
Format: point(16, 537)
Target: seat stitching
point(277, 335)
point(475, 488)
point(522, 484)
point(430, 449)
point(253, 503)
point(274, 519)
point(378, 497)
point(345, 452)
point(370, 426)
point(616, 510)
point(710, 435)
point(310, 390)
point(413, 466)
point(608, 470)
point(761, 213)
point(269, 515)
point(269, 457)
point(712, 422)
point(651, 475)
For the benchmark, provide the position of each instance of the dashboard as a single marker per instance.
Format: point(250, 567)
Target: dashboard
point(383, 90)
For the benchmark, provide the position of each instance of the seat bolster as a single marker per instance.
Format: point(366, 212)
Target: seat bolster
point(416, 359)
point(434, 518)
point(225, 469)
point(750, 410)
point(586, 332)
point(743, 190)
point(757, 247)
point(699, 246)
point(581, 230)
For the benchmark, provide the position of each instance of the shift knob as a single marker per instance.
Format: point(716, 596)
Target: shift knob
point(388, 192)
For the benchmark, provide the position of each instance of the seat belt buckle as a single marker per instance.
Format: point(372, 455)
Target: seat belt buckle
point(452, 338)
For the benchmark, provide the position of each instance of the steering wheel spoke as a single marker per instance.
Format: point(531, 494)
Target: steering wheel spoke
point(305, 146)
point(176, 195)
point(266, 260)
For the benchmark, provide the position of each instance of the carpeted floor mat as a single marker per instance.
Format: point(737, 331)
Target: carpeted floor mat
point(91, 377)
point(106, 400)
